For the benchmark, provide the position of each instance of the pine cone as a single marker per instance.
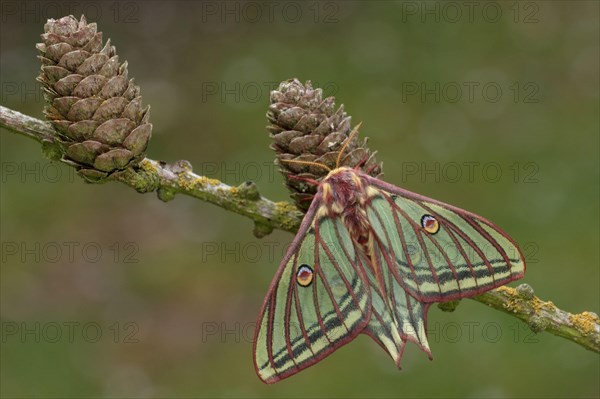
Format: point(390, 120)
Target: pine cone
point(306, 127)
point(96, 111)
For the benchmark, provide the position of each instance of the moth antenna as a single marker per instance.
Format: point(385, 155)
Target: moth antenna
point(348, 140)
point(307, 163)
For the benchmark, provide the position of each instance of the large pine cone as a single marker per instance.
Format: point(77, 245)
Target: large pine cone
point(306, 127)
point(94, 107)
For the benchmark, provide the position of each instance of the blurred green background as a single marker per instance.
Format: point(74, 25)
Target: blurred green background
point(109, 293)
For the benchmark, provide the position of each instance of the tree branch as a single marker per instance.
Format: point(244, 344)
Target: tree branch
point(170, 179)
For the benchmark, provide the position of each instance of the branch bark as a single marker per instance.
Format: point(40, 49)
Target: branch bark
point(178, 178)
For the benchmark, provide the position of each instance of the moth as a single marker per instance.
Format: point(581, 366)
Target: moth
point(370, 258)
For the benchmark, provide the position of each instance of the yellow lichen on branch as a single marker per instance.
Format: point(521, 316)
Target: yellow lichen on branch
point(583, 328)
point(585, 321)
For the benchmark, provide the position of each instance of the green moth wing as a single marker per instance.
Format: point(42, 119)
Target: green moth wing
point(318, 301)
point(438, 252)
point(396, 317)
point(425, 251)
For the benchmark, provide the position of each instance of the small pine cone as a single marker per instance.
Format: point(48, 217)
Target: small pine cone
point(95, 109)
point(306, 127)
